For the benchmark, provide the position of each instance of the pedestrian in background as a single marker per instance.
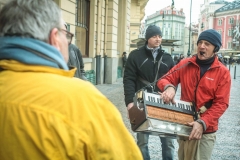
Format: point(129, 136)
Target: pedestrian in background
point(124, 59)
point(180, 58)
point(147, 64)
point(175, 59)
point(45, 113)
point(206, 82)
point(76, 60)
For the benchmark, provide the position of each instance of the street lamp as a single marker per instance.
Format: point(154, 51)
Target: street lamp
point(172, 18)
point(163, 22)
point(202, 26)
point(188, 54)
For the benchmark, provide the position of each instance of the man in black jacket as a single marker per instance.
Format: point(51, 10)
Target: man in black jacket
point(142, 65)
point(75, 60)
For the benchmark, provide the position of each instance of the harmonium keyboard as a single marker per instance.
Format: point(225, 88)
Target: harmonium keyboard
point(151, 115)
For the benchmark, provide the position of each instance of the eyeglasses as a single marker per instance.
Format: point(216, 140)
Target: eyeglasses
point(69, 35)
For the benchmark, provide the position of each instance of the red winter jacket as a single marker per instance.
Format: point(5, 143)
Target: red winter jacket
point(214, 85)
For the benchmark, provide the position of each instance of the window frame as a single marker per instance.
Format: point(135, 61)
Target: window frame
point(231, 20)
point(230, 32)
point(229, 45)
point(220, 21)
point(220, 32)
point(82, 21)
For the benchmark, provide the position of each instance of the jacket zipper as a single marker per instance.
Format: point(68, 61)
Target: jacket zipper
point(199, 82)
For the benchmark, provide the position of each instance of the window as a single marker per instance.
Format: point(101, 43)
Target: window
point(231, 20)
point(82, 25)
point(220, 32)
point(220, 22)
point(230, 32)
point(229, 45)
point(166, 34)
point(82, 13)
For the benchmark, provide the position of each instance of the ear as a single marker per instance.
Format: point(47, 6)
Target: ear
point(216, 49)
point(54, 38)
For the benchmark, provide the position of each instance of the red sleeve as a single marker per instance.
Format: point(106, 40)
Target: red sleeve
point(220, 102)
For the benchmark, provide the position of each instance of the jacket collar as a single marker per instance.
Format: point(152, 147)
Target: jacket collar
point(149, 52)
point(31, 51)
point(216, 62)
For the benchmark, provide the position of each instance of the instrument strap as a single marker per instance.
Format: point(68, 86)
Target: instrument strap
point(148, 83)
point(144, 81)
point(159, 62)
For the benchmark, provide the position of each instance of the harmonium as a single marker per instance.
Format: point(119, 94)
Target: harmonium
point(151, 115)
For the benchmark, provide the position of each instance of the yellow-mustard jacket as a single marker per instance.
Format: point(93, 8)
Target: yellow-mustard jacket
point(46, 114)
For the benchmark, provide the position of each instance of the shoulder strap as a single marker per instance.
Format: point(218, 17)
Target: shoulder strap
point(148, 83)
point(144, 81)
point(159, 62)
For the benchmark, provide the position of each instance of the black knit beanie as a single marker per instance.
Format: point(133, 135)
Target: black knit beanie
point(151, 31)
point(212, 37)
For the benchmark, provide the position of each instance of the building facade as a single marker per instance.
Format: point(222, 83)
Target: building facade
point(224, 17)
point(191, 37)
point(171, 21)
point(137, 14)
point(102, 31)
point(194, 35)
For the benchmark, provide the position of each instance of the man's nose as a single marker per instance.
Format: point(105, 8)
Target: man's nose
point(202, 45)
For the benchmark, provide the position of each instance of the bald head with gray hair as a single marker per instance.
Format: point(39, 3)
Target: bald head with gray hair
point(30, 18)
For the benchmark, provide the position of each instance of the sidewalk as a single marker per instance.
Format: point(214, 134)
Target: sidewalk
point(228, 136)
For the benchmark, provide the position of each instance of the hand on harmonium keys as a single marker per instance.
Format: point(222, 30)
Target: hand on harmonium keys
point(168, 95)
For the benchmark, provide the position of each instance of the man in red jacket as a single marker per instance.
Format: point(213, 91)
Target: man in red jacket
point(205, 81)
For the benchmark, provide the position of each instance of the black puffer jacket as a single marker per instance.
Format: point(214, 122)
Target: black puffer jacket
point(75, 60)
point(141, 63)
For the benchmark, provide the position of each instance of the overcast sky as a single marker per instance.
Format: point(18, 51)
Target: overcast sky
point(156, 5)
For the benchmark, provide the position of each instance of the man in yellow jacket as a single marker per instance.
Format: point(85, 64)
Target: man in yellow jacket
point(45, 113)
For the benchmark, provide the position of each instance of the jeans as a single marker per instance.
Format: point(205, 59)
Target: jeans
point(168, 148)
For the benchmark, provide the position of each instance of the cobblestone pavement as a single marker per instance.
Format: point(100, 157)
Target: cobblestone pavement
point(227, 146)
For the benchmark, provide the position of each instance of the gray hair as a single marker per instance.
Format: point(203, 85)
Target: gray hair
point(30, 18)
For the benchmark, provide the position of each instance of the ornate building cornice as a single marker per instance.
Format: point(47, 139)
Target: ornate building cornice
point(227, 13)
